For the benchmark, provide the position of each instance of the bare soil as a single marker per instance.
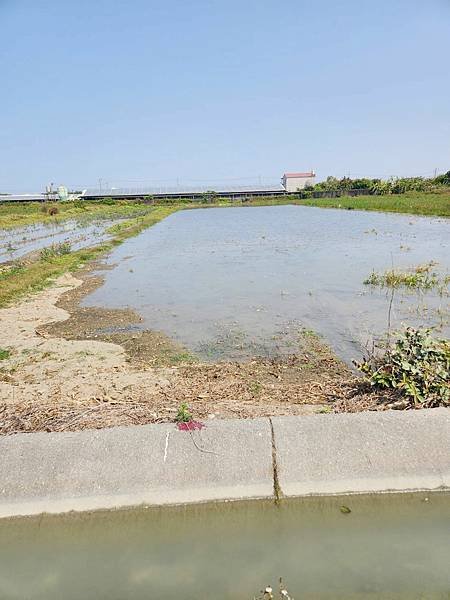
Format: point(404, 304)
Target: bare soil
point(70, 369)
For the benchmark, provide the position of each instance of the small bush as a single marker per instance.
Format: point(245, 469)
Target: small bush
point(51, 209)
point(108, 201)
point(417, 366)
point(55, 250)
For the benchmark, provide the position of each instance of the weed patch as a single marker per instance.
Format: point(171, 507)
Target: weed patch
point(417, 366)
point(183, 415)
point(422, 277)
point(55, 250)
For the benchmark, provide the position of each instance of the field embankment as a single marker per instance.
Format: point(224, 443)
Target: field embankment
point(22, 277)
point(21, 214)
point(414, 203)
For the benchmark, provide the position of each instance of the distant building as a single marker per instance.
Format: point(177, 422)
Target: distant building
point(297, 181)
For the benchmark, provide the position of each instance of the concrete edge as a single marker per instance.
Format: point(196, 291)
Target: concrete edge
point(111, 502)
point(266, 458)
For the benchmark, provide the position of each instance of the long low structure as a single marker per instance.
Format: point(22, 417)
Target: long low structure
point(137, 195)
point(227, 460)
point(186, 194)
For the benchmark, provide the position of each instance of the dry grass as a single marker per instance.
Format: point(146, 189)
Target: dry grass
point(257, 388)
point(356, 395)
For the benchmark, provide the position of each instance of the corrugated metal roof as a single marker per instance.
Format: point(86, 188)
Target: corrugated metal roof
point(22, 197)
point(200, 189)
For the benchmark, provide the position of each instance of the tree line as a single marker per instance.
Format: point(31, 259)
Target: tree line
point(394, 185)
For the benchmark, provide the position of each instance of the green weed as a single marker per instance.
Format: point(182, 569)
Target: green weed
point(255, 387)
point(421, 277)
point(417, 366)
point(4, 354)
point(183, 414)
point(55, 250)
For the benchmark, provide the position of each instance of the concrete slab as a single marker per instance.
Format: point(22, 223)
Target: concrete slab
point(228, 460)
point(128, 466)
point(364, 452)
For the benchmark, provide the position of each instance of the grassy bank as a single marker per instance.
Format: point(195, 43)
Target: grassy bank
point(413, 203)
point(20, 214)
point(19, 279)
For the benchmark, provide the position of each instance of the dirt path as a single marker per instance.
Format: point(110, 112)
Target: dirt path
point(50, 383)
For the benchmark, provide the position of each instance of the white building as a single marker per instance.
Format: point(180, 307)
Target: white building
point(297, 181)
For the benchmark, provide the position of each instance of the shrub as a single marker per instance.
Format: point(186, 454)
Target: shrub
point(209, 196)
point(417, 366)
point(55, 250)
point(108, 201)
point(442, 179)
point(49, 210)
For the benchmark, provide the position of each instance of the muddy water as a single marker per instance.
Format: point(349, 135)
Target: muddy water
point(235, 282)
point(16, 243)
point(387, 547)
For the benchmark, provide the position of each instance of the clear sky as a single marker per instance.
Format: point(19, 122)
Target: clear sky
point(139, 91)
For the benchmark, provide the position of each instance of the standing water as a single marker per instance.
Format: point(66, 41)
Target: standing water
point(18, 242)
point(386, 547)
point(227, 282)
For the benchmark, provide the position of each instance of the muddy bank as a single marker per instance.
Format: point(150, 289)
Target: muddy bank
point(67, 372)
point(118, 326)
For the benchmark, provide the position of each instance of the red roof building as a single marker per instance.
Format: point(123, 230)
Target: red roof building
point(297, 181)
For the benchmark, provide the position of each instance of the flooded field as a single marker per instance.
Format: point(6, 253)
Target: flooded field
point(237, 282)
point(389, 547)
point(16, 243)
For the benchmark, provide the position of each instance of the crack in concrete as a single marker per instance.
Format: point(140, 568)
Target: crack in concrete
point(277, 492)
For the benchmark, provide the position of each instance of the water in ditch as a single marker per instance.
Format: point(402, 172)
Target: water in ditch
point(388, 547)
point(237, 282)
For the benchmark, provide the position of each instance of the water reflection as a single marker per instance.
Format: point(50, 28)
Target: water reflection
point(203, 276)
point(389, 546)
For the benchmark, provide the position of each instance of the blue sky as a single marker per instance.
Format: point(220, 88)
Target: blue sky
point(139, 91)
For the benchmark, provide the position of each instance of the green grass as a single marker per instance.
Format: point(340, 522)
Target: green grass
point(414, 203)
point(4, 354)
point(51, 252)
point(27, 213)
point(420, 277)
